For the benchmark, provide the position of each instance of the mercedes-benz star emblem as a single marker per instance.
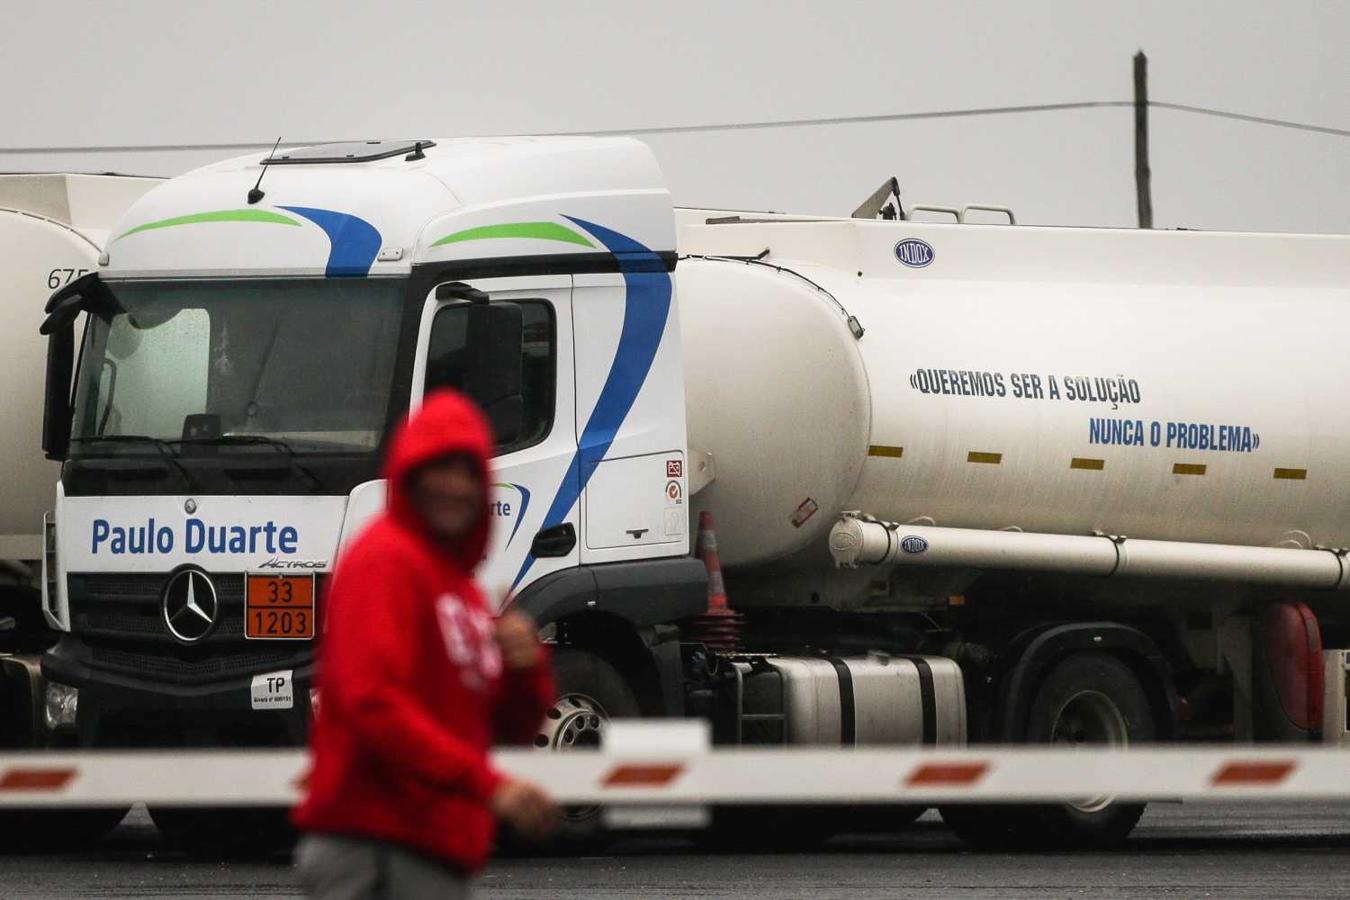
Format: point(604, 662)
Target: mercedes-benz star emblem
point(190, 606)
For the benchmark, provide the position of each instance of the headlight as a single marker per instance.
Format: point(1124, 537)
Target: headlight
point(62, 704)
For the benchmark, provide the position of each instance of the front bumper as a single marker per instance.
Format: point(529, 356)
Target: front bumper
point(118, 708)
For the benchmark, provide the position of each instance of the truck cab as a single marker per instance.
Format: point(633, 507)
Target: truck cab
point(245, 357)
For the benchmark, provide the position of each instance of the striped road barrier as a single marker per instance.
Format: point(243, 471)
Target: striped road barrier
point(660, 764)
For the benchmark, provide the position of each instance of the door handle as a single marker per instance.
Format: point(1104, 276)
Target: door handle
point(556, 541)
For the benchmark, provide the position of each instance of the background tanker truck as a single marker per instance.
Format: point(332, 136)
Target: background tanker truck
point(970, 482)
point(52, 228)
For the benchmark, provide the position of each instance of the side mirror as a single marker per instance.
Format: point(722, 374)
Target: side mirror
point(56, 407)
point(496, 340)
point(458, 290)
point(63, 308)
point(82, 295)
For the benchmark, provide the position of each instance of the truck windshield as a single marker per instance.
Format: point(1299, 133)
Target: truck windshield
point(304, 364)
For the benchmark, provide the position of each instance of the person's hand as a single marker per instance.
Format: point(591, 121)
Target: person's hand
point(526, 808)
point(517, 641)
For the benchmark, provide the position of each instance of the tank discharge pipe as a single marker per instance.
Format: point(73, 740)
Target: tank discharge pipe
point(860, 540)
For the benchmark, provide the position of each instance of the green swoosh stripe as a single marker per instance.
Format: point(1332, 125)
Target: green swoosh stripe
point(219, 215)
point(539, 231)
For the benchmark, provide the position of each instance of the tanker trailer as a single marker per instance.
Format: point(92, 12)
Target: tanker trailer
point(51, 230)
point(1099, 469)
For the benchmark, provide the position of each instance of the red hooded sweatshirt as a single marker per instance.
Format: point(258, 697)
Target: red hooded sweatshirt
point(411, 683)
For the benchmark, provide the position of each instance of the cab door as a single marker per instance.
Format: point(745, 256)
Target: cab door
point(630, 417)
point(513, 355)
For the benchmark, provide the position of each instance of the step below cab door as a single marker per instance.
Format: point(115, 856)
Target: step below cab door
point(513, 355)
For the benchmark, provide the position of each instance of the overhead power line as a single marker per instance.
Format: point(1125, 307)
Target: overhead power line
point(976, 111)
point(862, 120)
point(1243, 117)
point(751, 126)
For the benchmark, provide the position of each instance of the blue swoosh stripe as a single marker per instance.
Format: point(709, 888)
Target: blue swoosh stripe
point(646, 307)
point(353, 242)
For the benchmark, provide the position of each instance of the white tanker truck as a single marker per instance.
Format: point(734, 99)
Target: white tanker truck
point(970, 482)
point(52, 228)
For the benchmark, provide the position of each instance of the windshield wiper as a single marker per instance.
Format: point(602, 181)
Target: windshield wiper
point(164, 447)
point(285, 449)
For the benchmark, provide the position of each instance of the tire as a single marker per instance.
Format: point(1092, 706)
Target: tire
point(590, 693)
point(225, 833)
point(40, 830)
point(1088, 698)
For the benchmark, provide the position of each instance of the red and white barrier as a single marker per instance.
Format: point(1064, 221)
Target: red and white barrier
point(648, 764)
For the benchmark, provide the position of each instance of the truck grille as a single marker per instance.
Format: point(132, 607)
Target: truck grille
point(129, 606)
point(191, 668)
point(119, 617)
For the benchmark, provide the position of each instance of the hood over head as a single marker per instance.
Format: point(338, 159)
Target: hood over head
point(445, 424)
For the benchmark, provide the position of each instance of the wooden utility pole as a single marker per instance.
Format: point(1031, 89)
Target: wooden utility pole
point(1143, 176)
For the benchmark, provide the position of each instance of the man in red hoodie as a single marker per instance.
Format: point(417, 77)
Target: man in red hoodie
point(417, 681)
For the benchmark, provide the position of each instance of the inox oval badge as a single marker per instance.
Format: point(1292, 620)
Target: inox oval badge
point(914, 253)
point(913, 544)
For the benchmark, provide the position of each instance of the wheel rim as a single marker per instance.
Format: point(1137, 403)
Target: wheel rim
point(574, 722)
point(1090, 719)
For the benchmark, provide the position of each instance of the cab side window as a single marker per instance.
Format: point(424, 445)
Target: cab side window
point(504, 356)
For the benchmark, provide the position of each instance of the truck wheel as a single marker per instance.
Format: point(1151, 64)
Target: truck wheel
point(224, 833)
point(590, 693)
point(1089, 698)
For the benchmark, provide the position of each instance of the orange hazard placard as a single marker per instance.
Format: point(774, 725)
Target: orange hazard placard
point(280, 607)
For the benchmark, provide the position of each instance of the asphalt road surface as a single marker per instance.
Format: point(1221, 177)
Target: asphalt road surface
point(1196, 850)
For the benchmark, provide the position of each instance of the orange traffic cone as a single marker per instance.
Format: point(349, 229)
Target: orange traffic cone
point(720, 627)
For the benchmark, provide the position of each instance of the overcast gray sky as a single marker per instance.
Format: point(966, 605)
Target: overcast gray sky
point(160, 73)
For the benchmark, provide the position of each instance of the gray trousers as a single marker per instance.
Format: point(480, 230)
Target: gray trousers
point(340, 868)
